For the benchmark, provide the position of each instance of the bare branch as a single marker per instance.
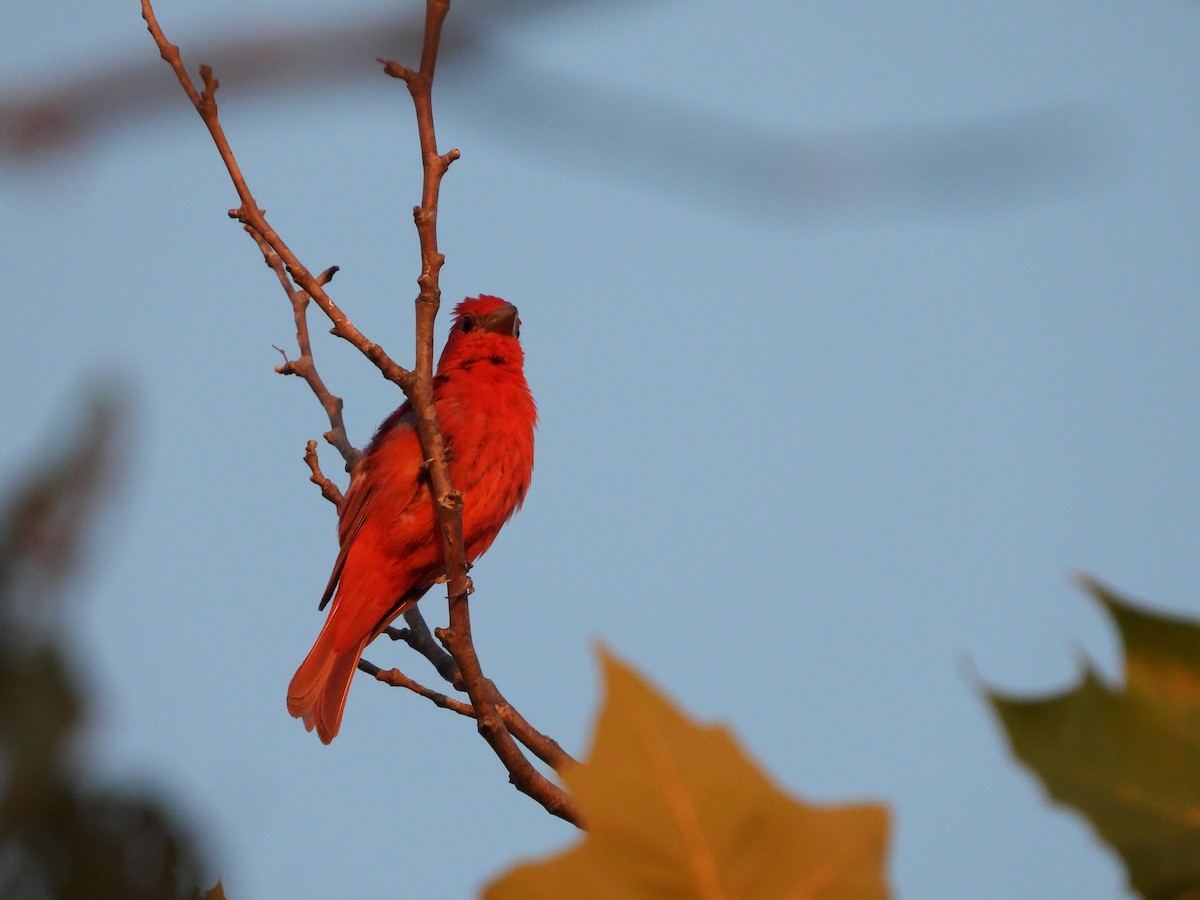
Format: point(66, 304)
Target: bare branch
point(329, 490)
point(545, 748)
point(305, 367)
point(396, 678)
point(418, 636)
point(252, 217)
point(447, 500)
point(541, 745)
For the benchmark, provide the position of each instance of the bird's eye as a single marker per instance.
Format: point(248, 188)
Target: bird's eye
point(467, 324)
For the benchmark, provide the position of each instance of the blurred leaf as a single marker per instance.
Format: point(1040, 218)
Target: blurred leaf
point(216, 892)
point(84, 845)
point(43, 528)
point(39, 709)
point(1127, 757)
point(47, 518)
point(58, 838)
point(675, 809)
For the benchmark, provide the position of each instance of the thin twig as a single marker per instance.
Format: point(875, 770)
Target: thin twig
point(418, 636)
point(494, 726)
point(545, 748)
point(329, 490)
point(306, 367)
point(541, 745)
point(249, 214)
point(396, 678)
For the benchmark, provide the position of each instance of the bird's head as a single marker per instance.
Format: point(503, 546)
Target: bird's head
point(484, 328)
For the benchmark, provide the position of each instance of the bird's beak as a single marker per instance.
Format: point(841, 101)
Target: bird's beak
point(503, 321)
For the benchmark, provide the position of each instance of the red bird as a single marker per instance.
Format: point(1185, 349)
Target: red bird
point(391, 550)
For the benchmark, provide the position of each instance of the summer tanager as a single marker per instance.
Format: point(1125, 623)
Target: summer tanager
point(391, 549)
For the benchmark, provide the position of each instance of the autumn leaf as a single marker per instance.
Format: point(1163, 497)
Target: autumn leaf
point(1127, 757)
point(677, 810)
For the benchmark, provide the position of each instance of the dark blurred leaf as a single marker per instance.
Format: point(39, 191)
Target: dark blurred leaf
point(44, 523)
point(58, 840)
point(675, 809)
point(43, 528)
point(39, 708)
point(99, 845)
point(1127, 757)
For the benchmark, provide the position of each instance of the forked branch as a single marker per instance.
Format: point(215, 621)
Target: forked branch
point(250, 215)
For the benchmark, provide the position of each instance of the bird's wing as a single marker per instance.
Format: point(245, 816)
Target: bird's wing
point(350, 519)
point(389, 473)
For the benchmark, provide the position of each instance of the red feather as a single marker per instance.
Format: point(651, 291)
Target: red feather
point(390, 549)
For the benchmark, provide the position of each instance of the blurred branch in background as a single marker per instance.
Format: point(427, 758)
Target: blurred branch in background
point(57, 838)
point(635, 137)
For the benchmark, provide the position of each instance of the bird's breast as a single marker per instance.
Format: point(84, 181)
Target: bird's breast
point(488, 425)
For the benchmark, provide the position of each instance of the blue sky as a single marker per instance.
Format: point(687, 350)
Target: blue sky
point(854, 330)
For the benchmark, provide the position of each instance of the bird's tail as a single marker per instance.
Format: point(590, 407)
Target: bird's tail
point(318, 690)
